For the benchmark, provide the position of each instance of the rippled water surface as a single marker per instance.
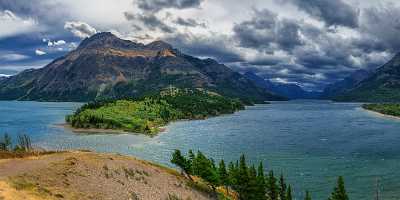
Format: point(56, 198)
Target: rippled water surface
point(311, 142)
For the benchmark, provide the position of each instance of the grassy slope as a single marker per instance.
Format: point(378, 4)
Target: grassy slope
point(87, 175)
point(149, 114)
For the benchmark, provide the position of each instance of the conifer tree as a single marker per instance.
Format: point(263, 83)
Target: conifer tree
point(233, 174)
point(205, 169)
point(308, 196)
point(179, 160)
point(339, 192)
point(289, 193)
point(272, 189)
point(243, 177)
point(252, 190)
point(261, 180)
point(282, 188)
point(223, 174)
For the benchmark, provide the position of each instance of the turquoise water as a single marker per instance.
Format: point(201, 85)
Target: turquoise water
point(310, 142)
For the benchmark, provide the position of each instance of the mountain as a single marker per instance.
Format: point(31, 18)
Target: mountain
point(383, 85)
point(105, 66)
point(346, 84)
point(291, 91)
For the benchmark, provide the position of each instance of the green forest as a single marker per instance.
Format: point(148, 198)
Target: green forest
point(384, 108)
point(146, 115)
point(242, 181)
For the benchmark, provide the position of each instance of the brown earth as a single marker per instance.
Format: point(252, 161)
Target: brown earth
point(87, 175)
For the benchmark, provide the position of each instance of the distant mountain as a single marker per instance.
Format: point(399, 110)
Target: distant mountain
point(383, 85)
point(346, 84)
point(291, 91)
point(105, 66)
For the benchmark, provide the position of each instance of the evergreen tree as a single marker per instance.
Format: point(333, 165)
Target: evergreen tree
point(243, 177)
point(261, 180)
point(308, 196)
point(339, 192)
point(191, 156)
point(282, 188)
point(272, 189)
point(223, 174)
point(289, 193)
point(233, 174)
point(180, 161)
point(252, 190)
point(205, 169)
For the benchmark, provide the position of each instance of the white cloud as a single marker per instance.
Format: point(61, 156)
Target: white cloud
point(4, 75)
point(54, 43)
point(12, 57)
point(80, 29)
point(10, 24)
point(39, 52)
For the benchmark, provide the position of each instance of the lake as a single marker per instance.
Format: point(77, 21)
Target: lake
point(310, 142)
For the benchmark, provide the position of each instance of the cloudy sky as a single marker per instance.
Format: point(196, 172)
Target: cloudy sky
point(308, 42)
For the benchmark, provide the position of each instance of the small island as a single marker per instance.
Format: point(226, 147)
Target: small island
point(390, 109)
point(148, 114)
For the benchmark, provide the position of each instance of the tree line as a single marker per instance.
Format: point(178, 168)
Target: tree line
point(247, 181)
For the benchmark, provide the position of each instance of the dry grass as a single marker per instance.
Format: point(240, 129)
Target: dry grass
point(86, 175)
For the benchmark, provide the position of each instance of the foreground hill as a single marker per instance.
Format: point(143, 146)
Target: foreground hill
point(290, 91)
point(105, 66)
point(383, 85)
point(86, 175)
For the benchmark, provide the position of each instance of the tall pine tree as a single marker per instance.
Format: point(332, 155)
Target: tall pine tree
point(243, 177)
point(339, 192)
point(223, 175)
point(282, 188)
point(272, 189)
point(308, 196)
point(261, 185)
point(289, 193)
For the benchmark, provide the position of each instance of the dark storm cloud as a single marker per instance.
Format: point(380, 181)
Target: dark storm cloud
point(266, 61)
point(44, 11)
point(266, 32)
point(157, 5)
point(189, 22)
point(317, 55)
point(150, 21)
point(215, 47)
point(332, 12)
point(382, 27)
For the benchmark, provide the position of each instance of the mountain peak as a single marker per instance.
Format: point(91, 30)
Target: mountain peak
point(107, 39)
point(158, 45)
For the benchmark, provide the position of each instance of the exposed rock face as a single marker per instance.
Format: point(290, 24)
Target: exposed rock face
point(104, 66)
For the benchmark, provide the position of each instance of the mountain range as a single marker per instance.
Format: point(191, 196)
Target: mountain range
point(290, 91)
point(380, 85)
point(105, 66)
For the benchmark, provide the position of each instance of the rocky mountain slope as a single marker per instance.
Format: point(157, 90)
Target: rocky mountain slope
point(383, 85)
point(346, 84)
point(105, 66)
point(291, 91)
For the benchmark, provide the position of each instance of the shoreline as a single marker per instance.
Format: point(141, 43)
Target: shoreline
point(381, 114)
point(103, 131)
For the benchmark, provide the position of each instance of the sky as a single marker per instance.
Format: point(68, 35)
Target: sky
point(310, 43)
